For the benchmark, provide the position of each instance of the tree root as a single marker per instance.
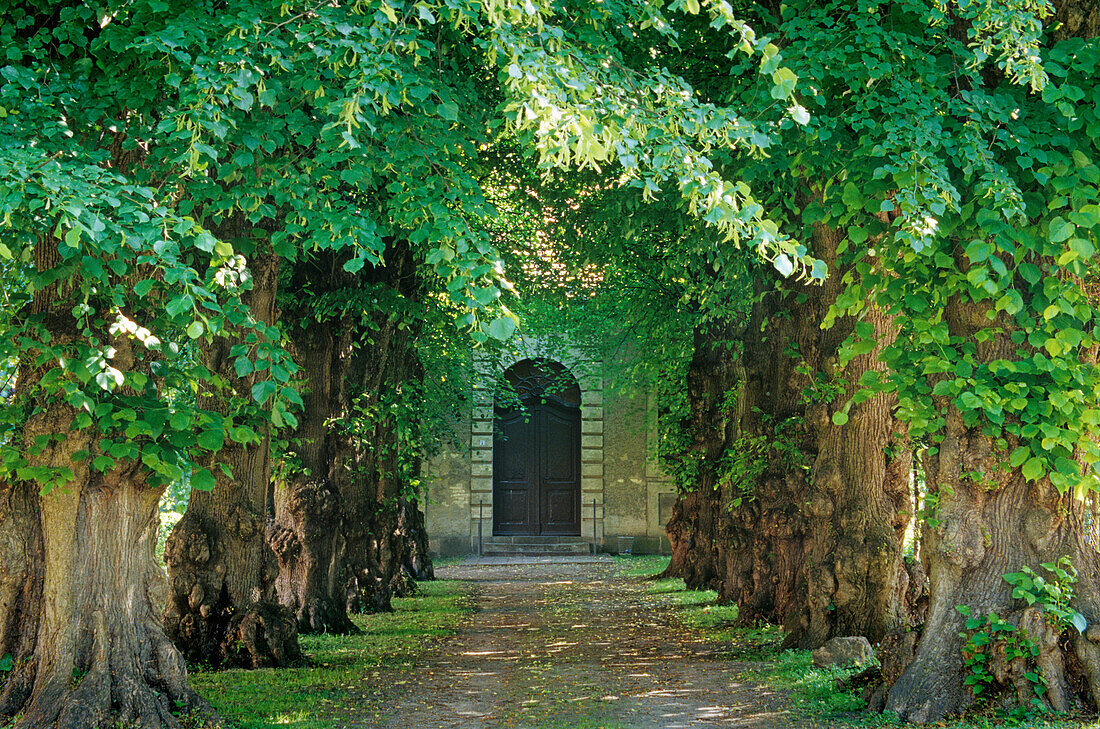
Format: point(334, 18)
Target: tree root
point(319, 615)
point(132, 680)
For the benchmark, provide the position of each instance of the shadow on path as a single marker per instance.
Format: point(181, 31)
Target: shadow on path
point(572, 645)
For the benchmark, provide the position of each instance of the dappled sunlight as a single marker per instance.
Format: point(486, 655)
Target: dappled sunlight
point(525, 660)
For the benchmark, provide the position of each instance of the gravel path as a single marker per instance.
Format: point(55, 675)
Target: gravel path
point(575, 645)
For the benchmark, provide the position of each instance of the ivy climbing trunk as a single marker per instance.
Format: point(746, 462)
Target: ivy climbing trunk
point(347, 536)
point(84, 627)
point(988, 521)
point(988, 518)
point(813, 512)
point(222, 607)
point(381, 536)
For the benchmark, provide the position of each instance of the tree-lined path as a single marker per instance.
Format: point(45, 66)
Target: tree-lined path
point(578, 644)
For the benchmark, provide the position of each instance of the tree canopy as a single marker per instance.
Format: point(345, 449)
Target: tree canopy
point(716, 181)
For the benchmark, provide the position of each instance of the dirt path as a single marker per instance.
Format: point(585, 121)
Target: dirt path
point(572, 646)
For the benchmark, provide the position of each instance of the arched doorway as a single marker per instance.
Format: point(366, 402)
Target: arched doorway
point(537, 452)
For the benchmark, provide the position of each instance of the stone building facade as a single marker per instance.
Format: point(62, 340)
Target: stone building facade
point(579, 469)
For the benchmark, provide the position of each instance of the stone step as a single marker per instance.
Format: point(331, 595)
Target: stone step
point(537, 539)
point(497, 548)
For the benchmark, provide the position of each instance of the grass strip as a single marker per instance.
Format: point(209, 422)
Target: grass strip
point(346, 677)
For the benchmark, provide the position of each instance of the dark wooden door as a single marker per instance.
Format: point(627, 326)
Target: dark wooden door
point(536, 471)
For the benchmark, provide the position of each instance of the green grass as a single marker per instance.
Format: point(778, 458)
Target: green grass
point(346, 675)
point(700, 611)
point(816, 696)
point(641, 565)
point(813, 691)
point(439, 562)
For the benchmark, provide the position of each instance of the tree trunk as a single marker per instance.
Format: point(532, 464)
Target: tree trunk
point(414, 530)
point(692, 528)
point(347, 535)
point(308, 531)
point(84, 628)
point(692, 531)
point(986, 520)
point(21, 575)
point(222, 607)
point(384, 367)
point(985, 530)
point(813, 514)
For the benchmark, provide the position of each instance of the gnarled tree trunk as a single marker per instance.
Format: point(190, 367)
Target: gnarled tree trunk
point(692, 531)
point(342, 528)
point(692, 528)
point(308, 530)
point(380, 534)
point(84, 625)
point(985, 530)
point(813, 514)
point(222, 607)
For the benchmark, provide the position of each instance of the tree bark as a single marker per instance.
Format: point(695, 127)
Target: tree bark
point(21, 576)
point(813, 514)
point(84, 625)
point(222, 608)
point(990, 521)
point(692, 528)
point(308, 531)
point(692, 531)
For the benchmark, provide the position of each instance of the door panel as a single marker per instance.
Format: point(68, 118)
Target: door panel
point(515, 476)
point(536, 471)
point(560, 441)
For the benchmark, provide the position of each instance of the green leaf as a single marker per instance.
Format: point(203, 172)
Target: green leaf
point(1034, 469)
point(501, 328)
point(261, 391)
point(783, 265)
point(1019, 456)
point(195, 329)
point(1078, 621)
point(212, 440)
point(1030, 272)
point(1060, 230)
point(840, 417)
point(205, 242)
point(203, 480)
point(448, 110)
point(852, 197)
point(784, 80)
point(1083, 248)
point(970, 401)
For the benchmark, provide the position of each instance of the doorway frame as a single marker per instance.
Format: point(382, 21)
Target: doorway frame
point(592, 439)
